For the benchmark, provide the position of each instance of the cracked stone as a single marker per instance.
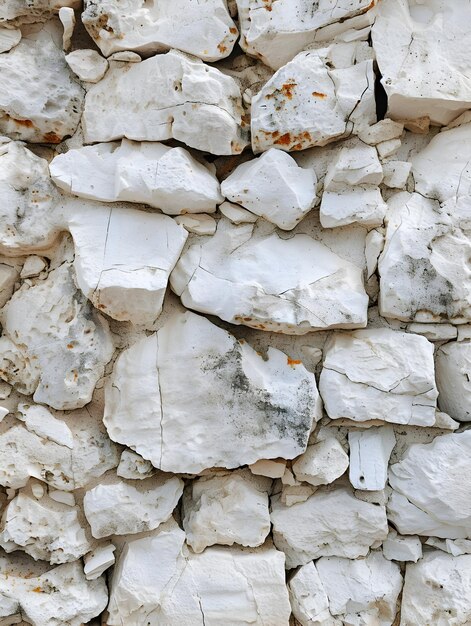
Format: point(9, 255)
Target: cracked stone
point(453, 370)
point(399, 548)
point(369, 457)
point(9, 38)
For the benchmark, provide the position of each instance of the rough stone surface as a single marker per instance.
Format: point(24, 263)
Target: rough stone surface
point(453, 372)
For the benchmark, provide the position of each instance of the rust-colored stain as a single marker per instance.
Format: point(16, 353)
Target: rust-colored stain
point(319, 94)
point(296, 141)
point(233, 30)
point(293, 361)
point(268, 4)
point(287, 90)
point(222, 48)
point(101, 306)
point(284, 140)
point(70, 346)
point(52, 138)
point(37, 590)
point(25, 123)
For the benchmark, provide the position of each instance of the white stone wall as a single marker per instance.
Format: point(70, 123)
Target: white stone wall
point(235, 309)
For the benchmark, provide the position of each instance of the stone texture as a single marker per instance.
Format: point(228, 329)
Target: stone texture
point(369, 457)
point(28, 11)
point(322, 463)
point(453, 372)
point(88, 65)
point(290, 286)
point(238, 408)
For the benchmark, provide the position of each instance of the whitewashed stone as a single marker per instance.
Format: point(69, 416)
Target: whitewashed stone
point(329, 523)
point(64, 497)
point(355, 164)
point(423, 267)
point(361, 591)
point(290, 286)
point(379, 373)
point(38, 490)
point(387, 148)
point(9, 38)
point(166, 178)
point(369, 457)
point(218, 586)
point(343, 205)
point(28, 11)
point(274, 187)
point(203, 28)
point(43, 529)
point(199, 224)
point(308, 598)
point(41, 422)
point(126, 56)
point(433, 332)
point(200, 107)
point(236, 214)
point(398, 548)
point(98, 561)
point(384, 130)
point(8, 277)
point(275, 31)
point(433, 482)
point(272, 468)
point(33, 266)
point(374, 244)
point(67, 17)
point(191, 397)
point(437, 590)
point(453, 372)
point(123, 258)
point(59, 351)
point(28, 218)
point(133, 466)
point(225, 510)
point(40, 100)
point(396, 174)
point(121, 508)
point(420, 53)
point(24, 454)
point(322, 463)
point(87, 64)
point(313, 100)
point(464, 332)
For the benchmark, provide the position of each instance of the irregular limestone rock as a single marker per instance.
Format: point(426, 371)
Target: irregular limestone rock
point(226, 509)
point(33, 266)
point(274, 187)
point(329, 523)
point(218, 586)
point(201, 106)
point(437, 590)
point(123, 259)
point(314, 99)
point(308, 598)
point(275, 31)
point(191, 397)
point(205, 29)
point(98, 561)
point(28, 217)
point(200, 224)
point(236, 214)
point(25, 454)
point(424, 267)
point(399, 548)
point(40, 100)
point(59, 351)
point(379, 373)
point(133, 466)
point(453, 372)
point(322, 463)
point(290, 286)
point(369, 457)
point(67, 18)
point(61, 595)
point(420, 53)
point(88, 65)
point(433, 482)
point(41, 422)
point(121, 508)
point(9, 38)
point(28, 11)
point(43, 529)
point(169, 179)
point(361, 591)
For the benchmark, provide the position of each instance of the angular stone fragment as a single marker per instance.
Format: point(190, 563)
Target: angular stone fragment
point(369, 457)
point(322, 463)
point(432, 489)
point(453, 372)
point(25, 454)
point(40, 101)
point(384, 130)
point(226, 509)
point(308, 598)
point(396, 174)
point(192, 397)
point(121, 508)
point(59, 350)
point(41, 422)
point(236, 214)
point(29, 11)
point(88, 65)
point(290, 286)
point(274, 187)
point(329, 523)
point(218, 586)
point(67, 17)
point(43, 529)
point(362, 591)
point(123, 259)
point(314, 99)
point(437, 590)
point(166, 178)
point(203, 28)
point(9, 38)
point(275, 31)
point(200, 106)
point(420, 52)
point(61, 595)
point(399, 548)
point(200, 224)
point(133, 466)
point(29, 220)
point(98, 561)
point(424, 267)
point(379, 373)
